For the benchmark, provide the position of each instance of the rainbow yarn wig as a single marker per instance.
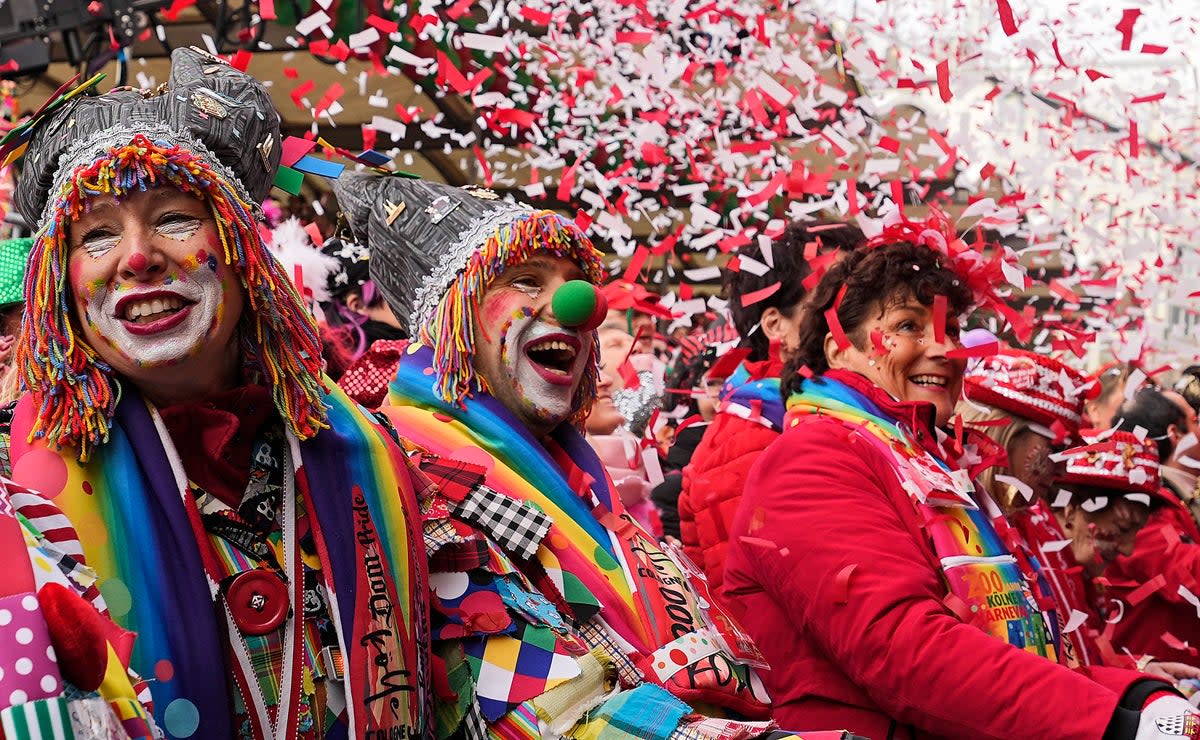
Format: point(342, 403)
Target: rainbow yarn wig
point(435, 250)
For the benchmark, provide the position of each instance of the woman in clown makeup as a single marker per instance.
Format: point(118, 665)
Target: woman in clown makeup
point(193, 492)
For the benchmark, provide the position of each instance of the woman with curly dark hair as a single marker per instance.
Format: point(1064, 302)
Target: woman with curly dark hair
point(864, 562)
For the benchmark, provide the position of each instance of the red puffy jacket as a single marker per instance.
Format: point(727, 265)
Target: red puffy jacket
point(1155, 618)
point(713, 480)
point(875, 649)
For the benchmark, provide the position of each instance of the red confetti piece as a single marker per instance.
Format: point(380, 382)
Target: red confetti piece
point(898, 194)
point(852, 196)
point(636, 262)
point(939, 318)
point(987, 349)
point(1153, 49)
point(749, 299)
point(1150, 98)
point(1093, 75)
point(877, 342)
point(1176, 644)
point(887, 143)
point(540, 17)
point(302, 90)
point(629, 374)
point(943, 80)
point(805, 372)
point(1144, 591)
point(835, 328)
point(634, 37)
point(382, 25)
point(332, 93)
point(1006, 17)
point(841, 584)
point(241, 60)
point(1125, 26)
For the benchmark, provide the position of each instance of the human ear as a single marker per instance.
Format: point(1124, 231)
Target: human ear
point(834, 354)
point(354, 302)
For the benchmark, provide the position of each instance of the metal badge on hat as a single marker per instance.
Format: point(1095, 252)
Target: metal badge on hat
point(440, 208)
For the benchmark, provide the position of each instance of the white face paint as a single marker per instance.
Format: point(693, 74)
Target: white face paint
point(546, 391)
point(170, 335)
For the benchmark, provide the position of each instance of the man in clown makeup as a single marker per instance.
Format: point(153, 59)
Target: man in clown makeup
point(216, 542)
point(553, 612)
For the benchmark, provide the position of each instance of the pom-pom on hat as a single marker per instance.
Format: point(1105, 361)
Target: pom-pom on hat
point(436, 248)
point(1031, 386)
point(220, 114)
point(1118, 462)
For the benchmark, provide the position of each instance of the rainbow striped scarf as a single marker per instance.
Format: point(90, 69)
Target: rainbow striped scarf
point(986, 583)
point(521, 467)
point(126, 507)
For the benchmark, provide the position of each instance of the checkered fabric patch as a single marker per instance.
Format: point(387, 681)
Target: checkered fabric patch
point(596, 635)
point(454, 478)
point(474, 726)
point(516, 526)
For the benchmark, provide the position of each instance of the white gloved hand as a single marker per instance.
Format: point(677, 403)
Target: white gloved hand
point(1169, 718)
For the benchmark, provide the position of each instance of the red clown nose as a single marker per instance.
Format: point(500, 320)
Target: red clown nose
point(577, 304)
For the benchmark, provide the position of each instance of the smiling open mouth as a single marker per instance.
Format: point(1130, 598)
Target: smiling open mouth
point(929, 381)
point(555, 354)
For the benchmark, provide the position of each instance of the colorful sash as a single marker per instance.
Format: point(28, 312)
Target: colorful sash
point(592, 546)
point(125, 505)
point(986, 582)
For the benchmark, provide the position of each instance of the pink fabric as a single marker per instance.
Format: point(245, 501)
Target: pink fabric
point(622, 458)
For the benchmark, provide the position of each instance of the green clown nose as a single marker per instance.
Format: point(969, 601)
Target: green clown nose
point(578, 304)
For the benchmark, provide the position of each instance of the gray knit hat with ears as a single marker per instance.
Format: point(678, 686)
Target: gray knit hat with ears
point(220, 114)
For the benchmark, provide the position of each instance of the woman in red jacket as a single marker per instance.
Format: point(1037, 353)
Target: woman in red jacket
point(860, 559)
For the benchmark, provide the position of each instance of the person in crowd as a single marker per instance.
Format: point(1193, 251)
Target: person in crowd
point(1102, 499)
point(1160, 618)
point(619, 450)
point(750, 413)
point(1100, 408)
point(553, 612)
point(241, 535)
point(354, 310)
point(1180, 471)
point(860, 558)
point(694, 387)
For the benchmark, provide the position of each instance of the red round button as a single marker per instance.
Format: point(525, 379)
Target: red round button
point(258, 601)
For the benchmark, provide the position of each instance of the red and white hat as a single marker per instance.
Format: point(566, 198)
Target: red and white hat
point(1118, 461)
point(1032, 386)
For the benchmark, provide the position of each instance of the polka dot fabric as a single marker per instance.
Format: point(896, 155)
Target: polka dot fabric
point(28, 667)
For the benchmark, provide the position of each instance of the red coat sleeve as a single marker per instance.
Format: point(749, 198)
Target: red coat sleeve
point(822, 499)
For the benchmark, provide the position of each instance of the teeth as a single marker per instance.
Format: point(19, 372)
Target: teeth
point(929, 380)
point(136, 309)
point(555, 345)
